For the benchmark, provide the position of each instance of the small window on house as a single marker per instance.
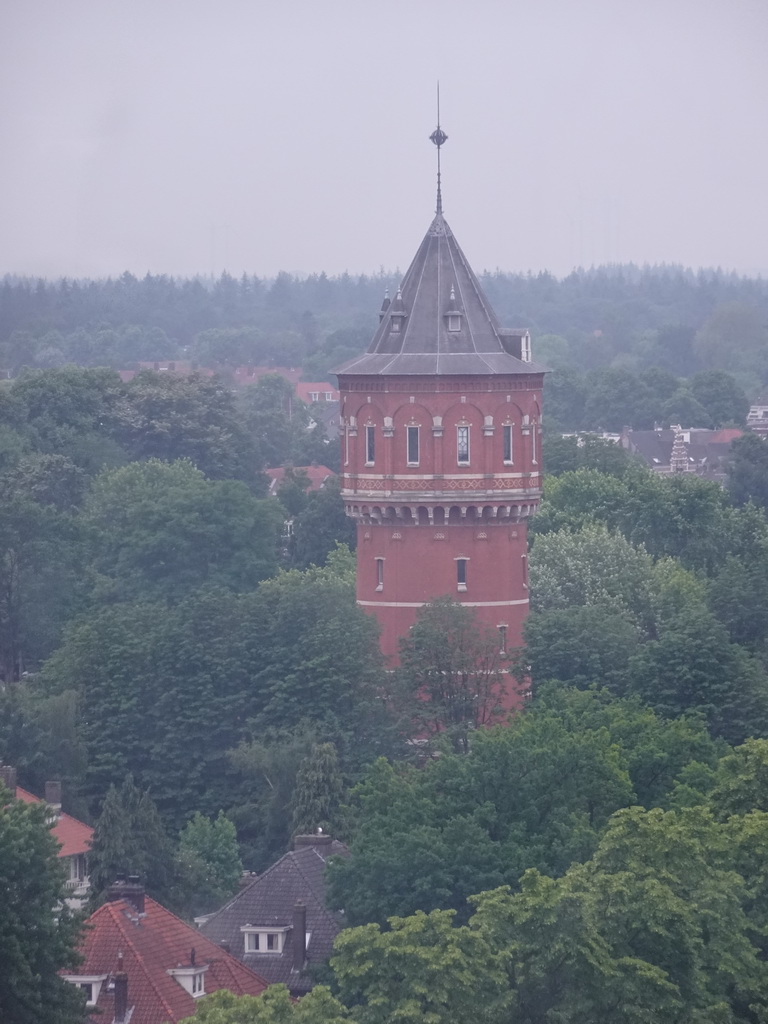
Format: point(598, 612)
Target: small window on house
point(314, 396)
point(506, 433)
point(461, 573)
point(272, 943)
point(413, 446)
point(379, 573)
point(370, 445)
point(87, 987)
point(462, 445)
point(454, 322)
point(198, 984)
point(329, 396)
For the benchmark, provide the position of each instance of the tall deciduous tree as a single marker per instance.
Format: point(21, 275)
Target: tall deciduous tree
point(38, 931)
point(451, 669)
point(208, 863)
point(162, 529)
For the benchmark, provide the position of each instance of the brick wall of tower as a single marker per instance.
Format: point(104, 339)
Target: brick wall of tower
point(417, 516)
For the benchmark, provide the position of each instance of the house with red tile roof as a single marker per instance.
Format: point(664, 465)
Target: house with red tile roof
point(74, 837)
point(316, 391)
point(142, 964)
point(318, 475)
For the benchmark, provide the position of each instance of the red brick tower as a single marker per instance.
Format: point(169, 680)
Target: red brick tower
point(441, 461)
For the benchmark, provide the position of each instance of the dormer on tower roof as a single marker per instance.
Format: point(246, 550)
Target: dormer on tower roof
point(385, 305)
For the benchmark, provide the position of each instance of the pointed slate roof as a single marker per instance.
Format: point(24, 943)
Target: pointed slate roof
point(269, 900)
point(423, 344)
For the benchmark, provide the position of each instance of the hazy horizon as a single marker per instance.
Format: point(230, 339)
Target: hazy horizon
point(185, 138)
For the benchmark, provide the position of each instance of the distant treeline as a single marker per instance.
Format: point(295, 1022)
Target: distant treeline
point(617, 317)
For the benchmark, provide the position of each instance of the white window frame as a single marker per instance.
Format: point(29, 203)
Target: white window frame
point(370, 445)
point(379, 574)
point(408, 436)
point(462, 462)
point(252, 940)
point(461, 573)
point(507, 439)
point(454, 322)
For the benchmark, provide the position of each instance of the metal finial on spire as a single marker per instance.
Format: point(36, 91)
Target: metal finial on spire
point(439, 138)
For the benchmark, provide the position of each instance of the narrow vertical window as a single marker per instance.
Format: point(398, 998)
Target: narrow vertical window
point(370, 445)
point(534, 437)
point(462, 445)
point(379, 573)
point(413, 446)
point(507, 438)
point(502, 628)
point(461, 573)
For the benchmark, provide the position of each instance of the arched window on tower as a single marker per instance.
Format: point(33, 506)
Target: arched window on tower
point(462, 445)
point(370, 445)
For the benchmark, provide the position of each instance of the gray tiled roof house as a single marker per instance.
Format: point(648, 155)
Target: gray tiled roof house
point(260, 925)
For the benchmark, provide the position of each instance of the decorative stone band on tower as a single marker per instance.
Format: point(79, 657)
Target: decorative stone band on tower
point(441, 460)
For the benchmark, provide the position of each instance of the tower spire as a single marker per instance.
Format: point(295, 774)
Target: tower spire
point(439, 138)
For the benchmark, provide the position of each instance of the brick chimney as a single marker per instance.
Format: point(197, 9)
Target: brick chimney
point(131, 890)
point(320, 839)
point(121, 997)
point(53, 796)
point(299, 936)
point(8, 778)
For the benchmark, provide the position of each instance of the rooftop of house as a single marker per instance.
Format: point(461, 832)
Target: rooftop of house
point(147, 944)
point(704, 447)
point(269, 901)
point(318, 475)
point(317, 391)
point(73, 835)
point(440, 321)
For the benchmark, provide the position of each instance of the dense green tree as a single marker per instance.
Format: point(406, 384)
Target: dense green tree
point(721, 396)
point(734, 328)
point(581, 646)
point(451, 672)
point(275, 1006)
point(208, 866)
point(38, 931)
point(72, 412)
point(129, 838)
point(168, 416)
point(748, 477)
point(318, 793)
point(275, 418)
point(652, 928)
point(162, 529)
point(421, 968)
point(591, 566)
point(692, 666)
point(266, 769)
point(321, 526)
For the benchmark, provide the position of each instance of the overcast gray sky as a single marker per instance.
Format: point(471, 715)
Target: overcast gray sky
point(185, 136)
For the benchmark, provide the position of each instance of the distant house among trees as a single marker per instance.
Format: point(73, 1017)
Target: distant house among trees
point(279, 925)
point(143, 964)
point(757, 418)
point(683, 450)
point(74, 837)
